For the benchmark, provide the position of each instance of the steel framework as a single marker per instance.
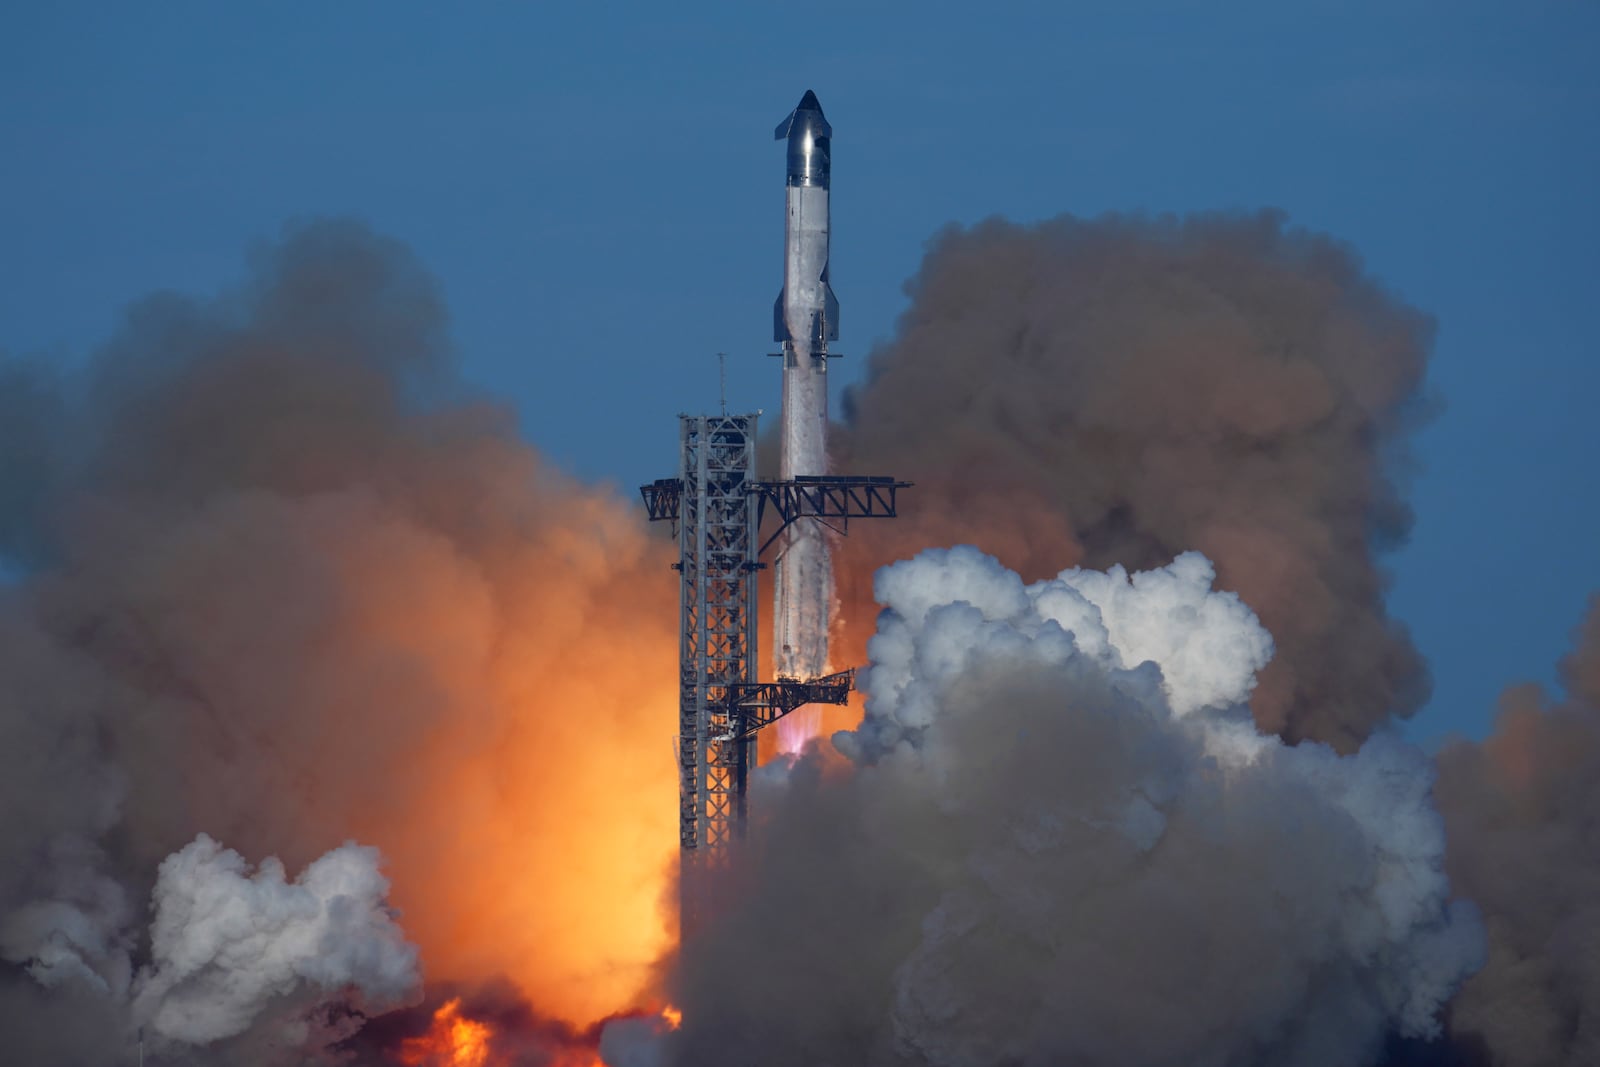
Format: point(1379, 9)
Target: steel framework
point(754, 705)
point(717, 523)
point(841, 497)
point(717, 506)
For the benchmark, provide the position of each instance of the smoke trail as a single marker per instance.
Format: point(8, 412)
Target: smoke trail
point(1067, 843)
point(1120, 390)
point(288, 583)
point(1520, 812)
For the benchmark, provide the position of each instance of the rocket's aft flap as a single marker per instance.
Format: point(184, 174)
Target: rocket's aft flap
point(780, 329)
point(830, 311)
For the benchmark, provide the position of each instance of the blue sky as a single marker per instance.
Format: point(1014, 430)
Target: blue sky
point(597, 190)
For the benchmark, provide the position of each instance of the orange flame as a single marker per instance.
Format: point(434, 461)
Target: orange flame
point(454, 1041)
point(525, 806)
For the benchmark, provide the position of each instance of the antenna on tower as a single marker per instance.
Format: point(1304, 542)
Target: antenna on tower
point(722, 378)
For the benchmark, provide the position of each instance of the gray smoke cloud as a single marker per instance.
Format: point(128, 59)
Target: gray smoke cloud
point(100, 474)
point(226, 948)
point(1123, 389)
point(1520, 811)
point(1065, 841)
point(278, 581)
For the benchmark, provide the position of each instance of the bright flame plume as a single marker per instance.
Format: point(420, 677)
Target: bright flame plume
point(454, 1041)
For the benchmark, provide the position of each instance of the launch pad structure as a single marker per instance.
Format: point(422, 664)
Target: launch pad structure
point(717, 506)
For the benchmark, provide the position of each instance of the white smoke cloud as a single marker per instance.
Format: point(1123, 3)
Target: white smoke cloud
point(1069, 843)
point(225, 943)
point(953, 610)
point(228, 947)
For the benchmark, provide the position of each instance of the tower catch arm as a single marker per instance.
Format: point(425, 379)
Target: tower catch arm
point(758, 704)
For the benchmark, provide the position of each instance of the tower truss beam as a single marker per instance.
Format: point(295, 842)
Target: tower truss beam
point(840, 497)
point(764, 703)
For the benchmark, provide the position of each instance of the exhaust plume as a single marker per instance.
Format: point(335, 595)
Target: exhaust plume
point(1065, 841)
point(1119, 390)
point(1520, 811)
point(286, 582)
point(486, 1024)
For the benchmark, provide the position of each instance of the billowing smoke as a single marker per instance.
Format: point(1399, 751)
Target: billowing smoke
point(281, 580)
point(223, 945)
point(276, 581)
point(327, 929)
point(1120, 390)
point(1525, 844)
point(1065, 841)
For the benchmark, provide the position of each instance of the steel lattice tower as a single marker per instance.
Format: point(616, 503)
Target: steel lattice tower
point(717, 610)
point(717, 508)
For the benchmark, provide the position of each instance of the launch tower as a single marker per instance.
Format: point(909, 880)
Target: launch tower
point(718, 508)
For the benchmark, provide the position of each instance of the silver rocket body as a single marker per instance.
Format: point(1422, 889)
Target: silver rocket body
point(805, 319)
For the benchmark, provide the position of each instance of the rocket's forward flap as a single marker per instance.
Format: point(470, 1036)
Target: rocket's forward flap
point(820, 127)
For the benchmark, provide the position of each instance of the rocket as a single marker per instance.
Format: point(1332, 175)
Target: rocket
point(804, 319)
point(806, 315)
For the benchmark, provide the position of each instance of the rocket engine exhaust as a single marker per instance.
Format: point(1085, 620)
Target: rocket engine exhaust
point(805, 319)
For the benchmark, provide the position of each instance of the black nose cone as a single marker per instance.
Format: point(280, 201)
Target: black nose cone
point(808, 102)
